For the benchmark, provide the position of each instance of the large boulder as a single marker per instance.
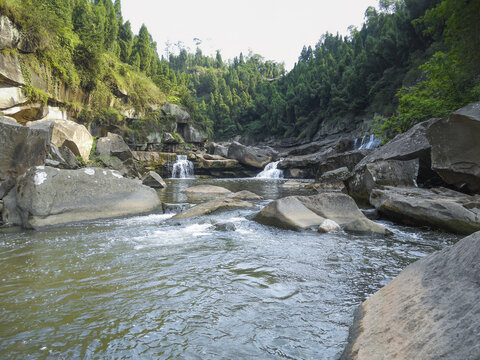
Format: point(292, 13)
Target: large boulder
point(113, 145)
point(67, 133)
point(439, 208)
point(410, 145)
point(288, 213)
point(218, 149)
point(301, 212)
point(429, 311)
point(47, 196)
point(193, 135)
point(334, 180)
point(382, 173)
point(456, 148)
point(212, 206)
point(342, 209)
point(21, 148)
point(251, 156)
point(181, 116)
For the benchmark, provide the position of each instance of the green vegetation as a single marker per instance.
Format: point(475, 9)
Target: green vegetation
point(410, 60)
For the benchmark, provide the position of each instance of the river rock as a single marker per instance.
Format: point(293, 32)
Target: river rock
point(153, 180)
point(456, 148)
point(429, 311)
point(245, 195)
point(209, 162)
point(212, 206)
point(334, 179)
point(288, 213)
point(113, 147)
point(329, 226)
point(342, 209)
point(47, 196)
point(218, 149)
point(382, 173)
point(21, 148)
point(67, 133)
point(251, 156)
point(206, 191)
point(438, 208)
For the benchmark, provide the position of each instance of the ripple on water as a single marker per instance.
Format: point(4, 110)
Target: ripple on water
point(150, 287)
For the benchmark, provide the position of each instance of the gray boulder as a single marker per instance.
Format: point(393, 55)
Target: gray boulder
point(153, 180)
point(347, 159)
point(382, 173)
point(342, 209)
point(193, 135)
point(115, 154)
point(439, 208)
point(62, 157)
point(301, 212)
point(251, 156)
point(410, 145)
point(288, 213)
point(21, 148)
point(429, 311)
point(334, 179)
point(47, 196)
point(217, 149)
point(213, 206)
point(456, 148)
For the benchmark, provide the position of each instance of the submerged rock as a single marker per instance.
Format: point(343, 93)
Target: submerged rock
point(438, 208)
point(212, 206)
point(47, 196)
point(429, 311)
point(456, 148)
point(245, 195)
point(206, 191)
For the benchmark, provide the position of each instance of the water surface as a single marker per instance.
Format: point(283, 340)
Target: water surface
point(147, 287)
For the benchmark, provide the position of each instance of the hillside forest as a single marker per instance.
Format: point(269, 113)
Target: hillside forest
point(410, 60)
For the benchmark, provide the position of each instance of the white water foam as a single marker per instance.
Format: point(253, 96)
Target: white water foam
point(271, 171)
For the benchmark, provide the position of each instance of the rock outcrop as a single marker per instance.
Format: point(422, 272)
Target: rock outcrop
point(180, 115)
point(67, 133)
point(456, 148)
point(437, 208)
point(47, 196)
point(429, 311)
point(251, 156)
point(114, 153)
point(382, 173)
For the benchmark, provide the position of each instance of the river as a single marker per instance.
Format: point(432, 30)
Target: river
point(147, 287)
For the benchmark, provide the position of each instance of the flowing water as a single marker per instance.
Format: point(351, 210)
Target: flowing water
point(147, 287)
point(271, 171)
point(182, 168)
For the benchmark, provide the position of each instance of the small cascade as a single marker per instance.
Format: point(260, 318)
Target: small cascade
point(368, 142)
point(182, 168)
point(271, 171)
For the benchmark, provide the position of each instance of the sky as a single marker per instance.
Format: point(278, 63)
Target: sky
point(275, 29)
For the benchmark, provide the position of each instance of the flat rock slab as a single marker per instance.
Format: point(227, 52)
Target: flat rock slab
point(245, 195)
point(439, 208)
point(206, 191)
point(212, 206)
point(429, 311)
point(47, 196)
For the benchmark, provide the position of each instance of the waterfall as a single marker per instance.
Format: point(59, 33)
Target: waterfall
point(368, 142)
point(271, 171)
point(182, 168)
